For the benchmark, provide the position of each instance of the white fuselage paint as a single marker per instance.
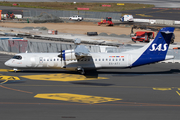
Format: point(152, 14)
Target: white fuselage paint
point(51, 60)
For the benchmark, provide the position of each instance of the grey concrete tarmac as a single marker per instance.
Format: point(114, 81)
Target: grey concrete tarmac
point(157, 3)
point(147, 92)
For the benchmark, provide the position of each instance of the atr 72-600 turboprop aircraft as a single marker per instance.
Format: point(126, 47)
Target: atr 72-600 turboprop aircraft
point(80, 59)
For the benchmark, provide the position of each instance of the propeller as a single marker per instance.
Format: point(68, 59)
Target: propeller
point(61, 56)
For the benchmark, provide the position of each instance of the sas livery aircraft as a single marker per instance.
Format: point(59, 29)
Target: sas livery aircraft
point(80, 59)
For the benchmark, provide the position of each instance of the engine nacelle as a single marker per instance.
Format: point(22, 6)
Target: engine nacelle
point(68, 55)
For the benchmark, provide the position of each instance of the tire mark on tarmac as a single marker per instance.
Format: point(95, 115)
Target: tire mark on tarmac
point(16, 89)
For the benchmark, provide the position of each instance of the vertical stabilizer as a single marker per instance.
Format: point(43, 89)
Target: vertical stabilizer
point(157, 49)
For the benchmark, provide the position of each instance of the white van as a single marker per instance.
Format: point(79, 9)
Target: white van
point(128, 18)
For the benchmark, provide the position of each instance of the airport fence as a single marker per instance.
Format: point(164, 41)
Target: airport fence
point(23, 46)
point(63, 13)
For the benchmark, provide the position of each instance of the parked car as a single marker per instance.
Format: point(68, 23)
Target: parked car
point(76, 17)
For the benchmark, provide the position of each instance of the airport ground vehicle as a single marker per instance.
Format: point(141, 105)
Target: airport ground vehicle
point(10, 15)
point(143, 36)
point(76, 17)
point(127, 18)
point(107, 21)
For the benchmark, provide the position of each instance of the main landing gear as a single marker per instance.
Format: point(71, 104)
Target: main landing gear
point(81, 70)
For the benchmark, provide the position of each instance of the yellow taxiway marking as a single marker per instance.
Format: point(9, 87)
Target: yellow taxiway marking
point(143, 15)
point(162, 89)
point(2, 77)
point(178, 93)
point(7, 70)
point(7, 78)
point(4, 70)
point(76, 98)
point(60, 77)
point(178, 88)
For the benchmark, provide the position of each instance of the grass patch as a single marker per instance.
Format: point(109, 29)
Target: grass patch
point(71, 6)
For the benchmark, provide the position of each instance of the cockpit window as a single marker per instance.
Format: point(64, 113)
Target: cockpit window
point(17, 57)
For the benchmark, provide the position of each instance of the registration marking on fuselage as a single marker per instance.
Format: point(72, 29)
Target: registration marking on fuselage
point(60, 77)
point(76, 98)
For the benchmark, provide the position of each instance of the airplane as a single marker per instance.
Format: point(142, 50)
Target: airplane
point(80, 59)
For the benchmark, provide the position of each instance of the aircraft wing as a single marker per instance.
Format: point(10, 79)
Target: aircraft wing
point(81, 51)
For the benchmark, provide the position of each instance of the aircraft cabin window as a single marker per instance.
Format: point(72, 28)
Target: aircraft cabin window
point(119, 59)
point(102, 59)
point(17, 57)
point(106, 59)
point(95, 59)
point(50, 59)
point(47, 59)
point(57, 59)
point(109, 59)
point(54, 59)
point(123, 59)
point(99, 59)
point(44, 59)
point(116, 59)
point(112, 59)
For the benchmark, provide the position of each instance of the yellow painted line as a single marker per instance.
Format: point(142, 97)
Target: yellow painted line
point(162, 89)
point(178, 88)
point(3, 70)
point(60, 77)
point(120, 3)
point(178, 93)
point(7, 70)
point(8, 77)
point(143, 15)
point(76, 98)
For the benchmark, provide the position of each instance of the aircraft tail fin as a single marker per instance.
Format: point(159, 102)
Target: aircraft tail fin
point(156, 50)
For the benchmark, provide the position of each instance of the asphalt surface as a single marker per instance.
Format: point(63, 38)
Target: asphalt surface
point(146, 13)
point(155, 13)
point(146, 92)
point(157, 3)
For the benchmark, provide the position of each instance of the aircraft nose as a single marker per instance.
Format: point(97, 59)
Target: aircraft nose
point(6, 63)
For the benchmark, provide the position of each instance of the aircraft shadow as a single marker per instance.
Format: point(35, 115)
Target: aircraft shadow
point(172, 71)
point(95, 73)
